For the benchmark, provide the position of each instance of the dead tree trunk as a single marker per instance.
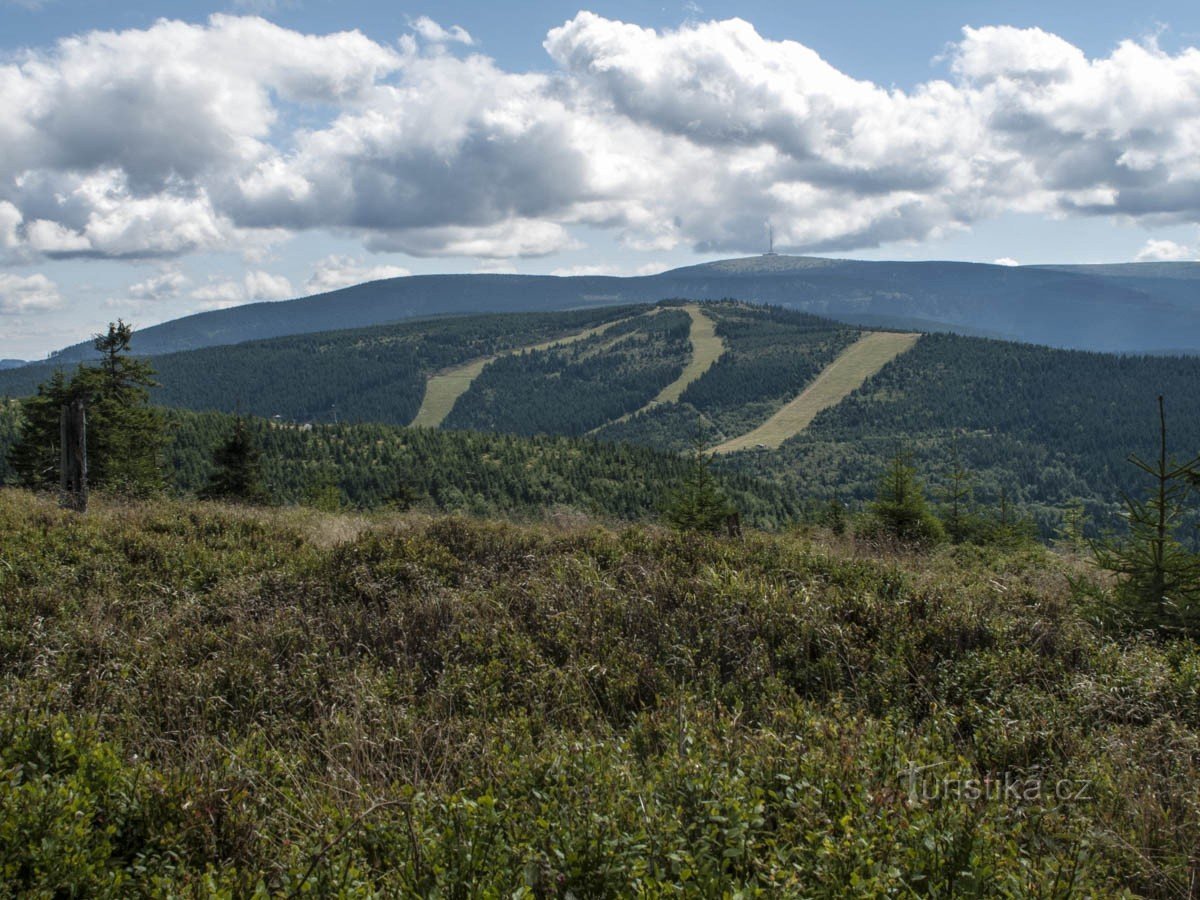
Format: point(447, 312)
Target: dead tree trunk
point(73, 470)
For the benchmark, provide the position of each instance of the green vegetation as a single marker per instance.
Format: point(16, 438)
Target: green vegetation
point(124, 433)
point(699, 504)
point(573, 388)
point(443, 389)
point(900, 511)
point(847, 373)
point(769, 354)
point(371, 466)
point(208, 700)
point(1159, 583)
point(1046, 429)
point(237, 468)
point(707, 348)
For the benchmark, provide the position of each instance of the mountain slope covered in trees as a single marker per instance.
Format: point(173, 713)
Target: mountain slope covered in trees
point(1038, 428)
point(1137, 307)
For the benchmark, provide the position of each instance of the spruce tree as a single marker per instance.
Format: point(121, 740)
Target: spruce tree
point(237, 472)
point(125, 433)
point(900, 510)
point(699, 504)
point(35, 457)
point(1159, 576)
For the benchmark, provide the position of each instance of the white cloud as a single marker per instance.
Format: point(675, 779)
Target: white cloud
point(165, 285)
point(254, 285)
point(494, 267)
point(335, 272)
point(1005, 261)
point(573, 271)
point(25, 294)
point(183, 138)
point(436, 34)
point(1165, 251)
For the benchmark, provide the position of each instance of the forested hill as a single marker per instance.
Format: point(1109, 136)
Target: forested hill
point(1145, 307)
point(1039, 427)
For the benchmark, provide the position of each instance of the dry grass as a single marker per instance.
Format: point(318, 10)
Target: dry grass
point(839, 379)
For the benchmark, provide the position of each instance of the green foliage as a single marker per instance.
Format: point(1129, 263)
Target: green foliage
point(1160, 577)
point(372, 466)
point(900, 511)
point(208, 700)
point(237, 468)
point(699, 504)
point(124, 433)
point(572, 389)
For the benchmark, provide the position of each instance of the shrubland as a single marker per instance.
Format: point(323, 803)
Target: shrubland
point(198, 699)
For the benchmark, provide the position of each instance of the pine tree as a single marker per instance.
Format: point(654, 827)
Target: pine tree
point(237, 473)
point(35, 457)
point(125, 433)
point(956, 498)
point(1160, 577)
point(900, 510)
point(699, 504)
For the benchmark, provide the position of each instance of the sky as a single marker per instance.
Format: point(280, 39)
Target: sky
point(160, 159)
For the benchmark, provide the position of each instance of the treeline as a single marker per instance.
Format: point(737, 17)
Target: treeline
point(367, 466)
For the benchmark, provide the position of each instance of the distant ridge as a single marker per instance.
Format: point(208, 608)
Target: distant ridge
point(1130, 308)
point(11, 363)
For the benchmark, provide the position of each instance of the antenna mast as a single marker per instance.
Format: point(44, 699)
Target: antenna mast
point(770, 239)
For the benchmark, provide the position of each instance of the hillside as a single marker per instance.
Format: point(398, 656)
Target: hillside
point(1136, 307)
point(11, 363)
point(1043, 427)
point(204, 700)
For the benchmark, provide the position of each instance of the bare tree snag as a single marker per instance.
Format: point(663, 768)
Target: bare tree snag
point(73, 471)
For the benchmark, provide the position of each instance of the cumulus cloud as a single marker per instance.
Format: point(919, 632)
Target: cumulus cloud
point(183, 138)
point(164, 285)
point(436, 34)
point(254, 285)
point(335, 272)
point(25, 294)
point(1164, 251)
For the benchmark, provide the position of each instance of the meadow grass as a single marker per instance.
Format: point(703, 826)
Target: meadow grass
point(846, 374)
point(203, 700)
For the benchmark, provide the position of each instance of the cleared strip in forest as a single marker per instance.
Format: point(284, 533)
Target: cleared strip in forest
point(707, 348)
point(847, 373)
point(443, 389)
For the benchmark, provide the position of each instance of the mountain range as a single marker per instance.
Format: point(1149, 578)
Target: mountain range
point(1126, 308)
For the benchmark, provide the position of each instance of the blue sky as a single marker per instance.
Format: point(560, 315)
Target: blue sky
point(261, 150)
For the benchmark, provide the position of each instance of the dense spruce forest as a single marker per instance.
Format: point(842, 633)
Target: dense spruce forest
point(366, 466)
point(1046, 427)
point(573, 389)
point(770, 353)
